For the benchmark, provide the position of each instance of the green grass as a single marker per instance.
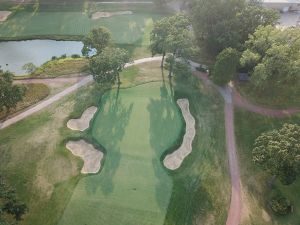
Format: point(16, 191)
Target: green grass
point(248, 126)
point(271, 97)
point(34, 93)
point(61, 67)
point(34, 158)
point(201, 190)
point(125, 29)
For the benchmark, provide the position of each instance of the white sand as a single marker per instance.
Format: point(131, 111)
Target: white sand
point(98, 15)
point(84, 121)
point(91, 156)
point(174, 160)
point(4, 15)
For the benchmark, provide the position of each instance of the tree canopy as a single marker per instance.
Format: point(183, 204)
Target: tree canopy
point(107, 65)
point(225, 67)
point(97, 39)
point(10, 94)
point(278, 152)
point(221, 24)
point(171, 35)
point(273, 57)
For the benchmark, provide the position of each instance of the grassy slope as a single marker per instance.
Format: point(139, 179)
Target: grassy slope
point(256, 191)
point(201, 190)
point(34, 93)
point(270, 97)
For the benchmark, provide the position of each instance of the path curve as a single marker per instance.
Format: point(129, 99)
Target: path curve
point(43, 104)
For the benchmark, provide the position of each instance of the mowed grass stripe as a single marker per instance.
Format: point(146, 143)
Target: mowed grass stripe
point(133, 187)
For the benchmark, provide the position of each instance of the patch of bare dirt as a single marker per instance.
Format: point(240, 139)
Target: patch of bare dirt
point(98, 15)
point(4, 15)
point(91, 156)
point(83, 122)
point(174, 160)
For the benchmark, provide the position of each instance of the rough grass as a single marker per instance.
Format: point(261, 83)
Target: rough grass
point(270, 97)
point(62, 67)
point(34, 93)
point(201, 190)
point(248, 126)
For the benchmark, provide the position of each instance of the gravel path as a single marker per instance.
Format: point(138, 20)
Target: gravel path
point(69, 90)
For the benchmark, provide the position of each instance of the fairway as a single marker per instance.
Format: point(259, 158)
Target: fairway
point(135, 126)
point(125, 29)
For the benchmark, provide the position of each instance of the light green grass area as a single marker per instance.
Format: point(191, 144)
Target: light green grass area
point(248, 126)
point(133, 187)
point(125, 29)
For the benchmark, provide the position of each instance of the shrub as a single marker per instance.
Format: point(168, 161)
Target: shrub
point(75, 56)
point(53, 58)
point(63, 56)
point(279, 203)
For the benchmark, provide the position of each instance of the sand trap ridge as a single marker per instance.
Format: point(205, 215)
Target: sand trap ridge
point(98, 15)
point(173, 161)
point(84, 121)
point(91, 156)
point(4, 15)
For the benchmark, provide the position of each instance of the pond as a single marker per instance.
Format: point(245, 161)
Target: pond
point(15, 54)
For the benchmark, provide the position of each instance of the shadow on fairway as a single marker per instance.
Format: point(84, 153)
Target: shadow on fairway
point(111, 125)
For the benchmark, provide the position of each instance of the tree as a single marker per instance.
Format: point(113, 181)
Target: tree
point(220, 24)
point(172, 35)
point(272, 57)
point(278, 152)
point(96, 40)
point(107, 65)
point(9, 204)
point(10, 94)
point(225, 66)
point(29, 67)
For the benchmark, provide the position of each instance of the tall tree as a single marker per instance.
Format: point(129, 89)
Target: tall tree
point(96, 40)
point(10, 94)
point(172, 35)
point(220, 24)
point(278, 152)
point(107, 65)
point(225, 66)
point(272, 57)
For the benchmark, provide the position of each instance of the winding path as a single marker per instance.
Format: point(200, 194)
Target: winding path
point(43, 104)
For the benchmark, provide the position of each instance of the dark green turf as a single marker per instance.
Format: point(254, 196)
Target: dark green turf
point(135, 126)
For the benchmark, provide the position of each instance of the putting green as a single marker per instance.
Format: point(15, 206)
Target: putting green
point(135, 126)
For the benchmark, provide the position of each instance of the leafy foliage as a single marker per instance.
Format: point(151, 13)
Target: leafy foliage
point(221, 24)
point(29, 67)
point(10, 94)
point(97, 39)
point(278, 152)
point(273, 57)
point(9, 204)
point(279, 203)
point(107, 65)
point(171, 35)
point(225, 66)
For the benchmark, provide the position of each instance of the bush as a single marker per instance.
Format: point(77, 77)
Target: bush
point(53, 58)
point(280, 204)
point(63, 56)
point(75, 56)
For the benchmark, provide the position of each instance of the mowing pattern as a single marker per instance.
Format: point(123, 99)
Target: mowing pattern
point(135, 126)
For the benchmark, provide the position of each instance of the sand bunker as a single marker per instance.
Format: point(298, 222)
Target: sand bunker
point(84, 121)
point(4, 15)
point(173, 161)
point(91, 156)
point(98, 15)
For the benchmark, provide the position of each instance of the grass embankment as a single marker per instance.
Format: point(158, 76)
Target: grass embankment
point(201, 190)
point(271, 97)
point(35, 161)
point(256, 191)
point(34, 93)
point(62, 67)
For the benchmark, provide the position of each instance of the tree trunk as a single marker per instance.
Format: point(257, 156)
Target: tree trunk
point(119, 81)
point(171, 65)
point(162, 60)
point(271, 182)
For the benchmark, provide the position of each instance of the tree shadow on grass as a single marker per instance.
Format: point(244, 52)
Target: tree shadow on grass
point(108, 130)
